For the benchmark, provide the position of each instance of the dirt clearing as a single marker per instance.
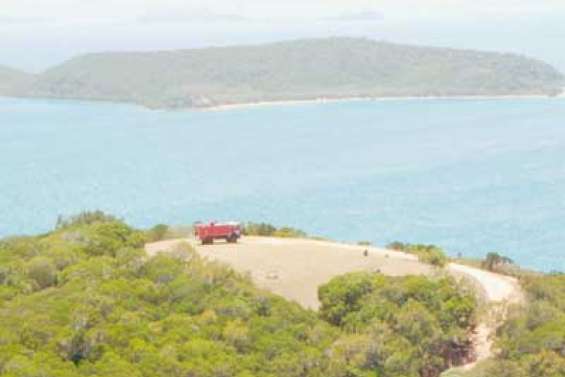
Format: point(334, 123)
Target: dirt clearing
point(295, 268)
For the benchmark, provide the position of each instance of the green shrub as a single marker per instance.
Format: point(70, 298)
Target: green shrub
point(287, 232)
point(157, 233)
point(84, 218)
point(494, 261)
point(42, 272)
point(258, 229)
point(268, 230)
point(430, 254)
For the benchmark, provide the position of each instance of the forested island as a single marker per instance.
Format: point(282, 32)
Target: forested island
point(86, 300)
point(312, 69)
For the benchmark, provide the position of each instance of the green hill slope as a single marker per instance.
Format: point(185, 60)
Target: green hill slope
point(295, 70)
point(12, 81)
point(85, 300)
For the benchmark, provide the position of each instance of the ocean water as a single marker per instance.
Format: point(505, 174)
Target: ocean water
point(472, 176)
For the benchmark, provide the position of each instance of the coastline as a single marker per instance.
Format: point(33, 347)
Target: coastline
point(324, 100)
point(290, 102)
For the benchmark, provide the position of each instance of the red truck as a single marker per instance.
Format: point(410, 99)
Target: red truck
point(207, 233)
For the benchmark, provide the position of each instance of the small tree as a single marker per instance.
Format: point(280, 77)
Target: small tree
point(84, 218)
point(398, 246)
point(157, 233)
point(430, 254)
point(494, 260)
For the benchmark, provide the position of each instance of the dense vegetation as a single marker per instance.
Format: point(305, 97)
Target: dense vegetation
point(409, 326)
point(85, 300)
point(295, 70)
point(430, 254)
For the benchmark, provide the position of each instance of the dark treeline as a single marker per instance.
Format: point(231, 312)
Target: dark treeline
point(269, 230)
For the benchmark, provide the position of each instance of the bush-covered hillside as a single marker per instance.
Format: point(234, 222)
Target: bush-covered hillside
point(85, 300)
point(532, 341)
point(12, 81)
point(405, 326)
point(294, 70)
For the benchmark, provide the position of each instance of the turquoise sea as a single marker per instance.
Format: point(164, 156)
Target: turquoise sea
point(470, 175)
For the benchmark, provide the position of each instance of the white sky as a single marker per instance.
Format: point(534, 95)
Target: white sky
point(69, 10)
point(35, 34)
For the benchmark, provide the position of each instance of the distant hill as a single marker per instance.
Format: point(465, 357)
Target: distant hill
point(12, 80)
point(295, 70)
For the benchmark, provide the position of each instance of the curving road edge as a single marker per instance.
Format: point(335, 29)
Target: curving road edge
point(500, 292)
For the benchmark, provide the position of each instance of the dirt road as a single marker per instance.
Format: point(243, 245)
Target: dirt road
point(295, 268)
point(500, 292)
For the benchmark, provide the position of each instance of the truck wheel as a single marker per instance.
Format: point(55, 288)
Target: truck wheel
point(232, 238)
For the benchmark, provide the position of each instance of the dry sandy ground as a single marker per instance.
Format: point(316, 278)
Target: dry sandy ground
point(295, 268)
point(497, 288)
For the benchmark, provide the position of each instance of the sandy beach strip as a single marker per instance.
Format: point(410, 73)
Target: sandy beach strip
point(324, 100)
